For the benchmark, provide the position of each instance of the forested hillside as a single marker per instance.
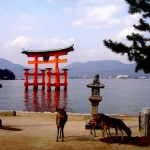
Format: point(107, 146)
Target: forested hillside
point(6, 75)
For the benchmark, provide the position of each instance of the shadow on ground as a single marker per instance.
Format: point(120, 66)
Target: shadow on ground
point(79, 138)
point(10, 128)
point(136, 141)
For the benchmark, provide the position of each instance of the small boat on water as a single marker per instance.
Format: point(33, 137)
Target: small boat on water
point(0, 85)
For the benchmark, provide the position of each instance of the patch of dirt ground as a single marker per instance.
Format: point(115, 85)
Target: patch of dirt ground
point(32, 131)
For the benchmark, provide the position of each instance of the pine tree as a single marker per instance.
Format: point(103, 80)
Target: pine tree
point(139, 51)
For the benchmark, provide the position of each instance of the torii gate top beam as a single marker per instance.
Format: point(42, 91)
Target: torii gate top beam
point(43, 53)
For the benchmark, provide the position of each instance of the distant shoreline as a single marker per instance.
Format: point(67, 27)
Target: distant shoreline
point(11, 112)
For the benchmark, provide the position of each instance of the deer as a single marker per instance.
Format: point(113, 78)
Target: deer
point(118, 124)
point(61, 119)
point(96, 121)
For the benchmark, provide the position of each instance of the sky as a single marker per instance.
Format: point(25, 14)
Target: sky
point(52, 24)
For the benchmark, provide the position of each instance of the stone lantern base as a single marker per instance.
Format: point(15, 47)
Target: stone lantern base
point(94, 103)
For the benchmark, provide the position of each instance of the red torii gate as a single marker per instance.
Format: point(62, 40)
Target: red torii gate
point(45, 54)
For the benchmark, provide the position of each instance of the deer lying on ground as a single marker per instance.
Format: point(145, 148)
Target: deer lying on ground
point(108, 122)
point(61, 119)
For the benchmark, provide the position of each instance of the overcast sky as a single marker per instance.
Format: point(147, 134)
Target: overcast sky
point(52, 24)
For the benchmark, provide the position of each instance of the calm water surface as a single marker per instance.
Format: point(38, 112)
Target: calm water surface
point(120, 96)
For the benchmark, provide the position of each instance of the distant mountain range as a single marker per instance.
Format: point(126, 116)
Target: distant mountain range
point(104, 68)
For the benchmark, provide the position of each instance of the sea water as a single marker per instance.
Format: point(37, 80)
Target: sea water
point(120, 96)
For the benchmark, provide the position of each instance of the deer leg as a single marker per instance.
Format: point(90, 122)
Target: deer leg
point(103, 132)
point(94, 126)
point(57, 134)
point(116, 132)
point(91, 128)
point(108, 132)
point(121, 134)
point(62, 131)
point(94, 131)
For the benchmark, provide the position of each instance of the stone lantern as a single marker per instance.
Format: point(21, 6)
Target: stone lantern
point(95, 98)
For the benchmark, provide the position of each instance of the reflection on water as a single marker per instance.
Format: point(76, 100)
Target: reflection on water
point(42, 100)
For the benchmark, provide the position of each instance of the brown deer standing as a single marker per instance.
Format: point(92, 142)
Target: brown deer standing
point(96, 121)
point(61, 119)
point(108, 122)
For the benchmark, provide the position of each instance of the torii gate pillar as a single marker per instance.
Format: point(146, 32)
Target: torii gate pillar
point(57, 79)
point(35, 77)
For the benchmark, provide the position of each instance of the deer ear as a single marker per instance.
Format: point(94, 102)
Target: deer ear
point(57, 109)
point(63, 108)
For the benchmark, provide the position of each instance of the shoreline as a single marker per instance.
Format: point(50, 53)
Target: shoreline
point(86, 115)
